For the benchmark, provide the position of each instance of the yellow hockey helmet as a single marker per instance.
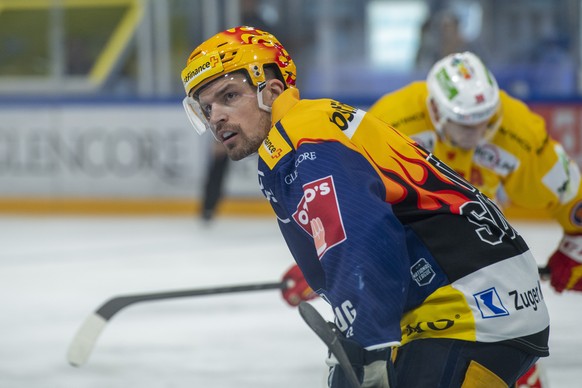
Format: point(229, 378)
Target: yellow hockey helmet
point(240, 48)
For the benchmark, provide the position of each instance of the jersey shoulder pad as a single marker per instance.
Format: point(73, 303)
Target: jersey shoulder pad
point(405, 109)
point(320, 120)
point(521, 128)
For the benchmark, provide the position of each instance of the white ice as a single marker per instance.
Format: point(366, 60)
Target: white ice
point(55, 271)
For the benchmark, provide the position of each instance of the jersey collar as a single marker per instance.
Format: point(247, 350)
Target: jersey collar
point(284, 103)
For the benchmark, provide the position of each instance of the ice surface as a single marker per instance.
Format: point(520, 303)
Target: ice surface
point(54, 272)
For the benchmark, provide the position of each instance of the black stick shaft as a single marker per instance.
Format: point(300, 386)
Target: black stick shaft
point(544, 273)
point(320, 327)
point(113, 305)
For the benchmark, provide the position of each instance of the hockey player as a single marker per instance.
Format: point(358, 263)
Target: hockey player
point(409, 255)
point(497, 144)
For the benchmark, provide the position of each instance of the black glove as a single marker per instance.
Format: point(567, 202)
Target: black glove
point(370, 366)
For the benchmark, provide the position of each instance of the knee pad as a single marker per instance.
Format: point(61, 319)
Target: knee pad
point(477, 376)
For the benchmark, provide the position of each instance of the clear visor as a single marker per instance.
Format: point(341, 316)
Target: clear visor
point(195, 115)
point(465, 136)
point(469, 136)
point(224, 95)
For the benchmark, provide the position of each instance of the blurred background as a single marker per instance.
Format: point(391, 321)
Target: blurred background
point(90, 94)
point(91, 123)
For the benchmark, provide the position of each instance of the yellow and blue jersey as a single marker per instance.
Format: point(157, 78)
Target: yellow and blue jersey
point(400, 245)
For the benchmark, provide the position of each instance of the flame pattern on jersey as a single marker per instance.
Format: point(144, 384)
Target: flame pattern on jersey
point(431, 190)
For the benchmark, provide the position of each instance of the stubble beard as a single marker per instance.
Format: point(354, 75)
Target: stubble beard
point(247, 145)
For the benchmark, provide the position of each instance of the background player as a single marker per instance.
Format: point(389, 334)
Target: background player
point(498, 144)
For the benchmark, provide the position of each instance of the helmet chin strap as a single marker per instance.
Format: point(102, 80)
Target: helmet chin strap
point(260, 87)
point(437, 119)
point(494, 126)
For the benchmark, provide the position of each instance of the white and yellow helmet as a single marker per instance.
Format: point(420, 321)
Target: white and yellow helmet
point(463, 90)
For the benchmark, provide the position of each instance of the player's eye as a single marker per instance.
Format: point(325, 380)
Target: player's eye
point(230, 97)
point(207, 110)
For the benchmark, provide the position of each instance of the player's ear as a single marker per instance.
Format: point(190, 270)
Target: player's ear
point(273, 89)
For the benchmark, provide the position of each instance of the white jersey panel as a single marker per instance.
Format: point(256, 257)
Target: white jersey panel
point(505, 296)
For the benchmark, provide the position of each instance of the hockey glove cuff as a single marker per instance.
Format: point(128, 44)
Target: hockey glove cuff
point(297, 289)
point(566, 264)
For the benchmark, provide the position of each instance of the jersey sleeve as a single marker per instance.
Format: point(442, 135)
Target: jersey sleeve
point(357, 239)
point(546, 178)
point(404, 109)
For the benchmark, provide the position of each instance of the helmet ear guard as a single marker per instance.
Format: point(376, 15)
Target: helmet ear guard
point(462, 89)
point(436, 117)
point(262, 105)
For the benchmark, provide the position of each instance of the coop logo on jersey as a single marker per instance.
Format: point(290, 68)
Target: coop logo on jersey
point(489, 304)
point(418, 328)
point(318, 213)
point(274, 147)
point(422, 272)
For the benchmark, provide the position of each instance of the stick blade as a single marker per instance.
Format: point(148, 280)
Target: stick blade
point(85, 339)
point(316, 322)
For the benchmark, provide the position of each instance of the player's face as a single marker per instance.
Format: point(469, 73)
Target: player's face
point(466, 137)
point(230, 106)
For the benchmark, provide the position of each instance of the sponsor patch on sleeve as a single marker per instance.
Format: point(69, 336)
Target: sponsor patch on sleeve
point(318, 213)
point(274, 147)
point(576, 214)
point(564, 177)
point(489, 304)
point(422, 272)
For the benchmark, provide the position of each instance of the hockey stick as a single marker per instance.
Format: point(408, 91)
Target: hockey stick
point(330, 338)
point(86, 337)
